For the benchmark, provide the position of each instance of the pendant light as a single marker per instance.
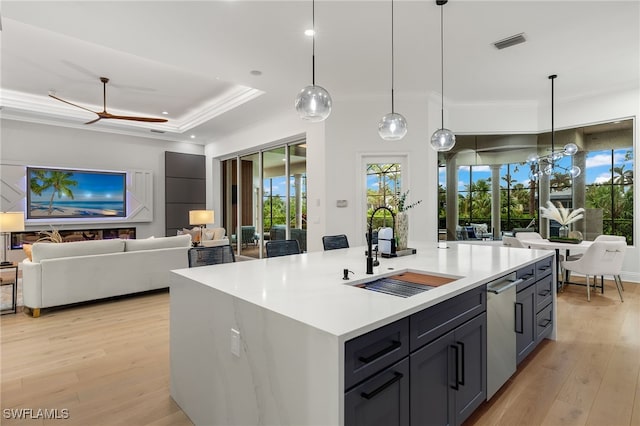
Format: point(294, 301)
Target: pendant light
point(549, 161)
point(392, 126)
point(313, 103)
point(442, 139)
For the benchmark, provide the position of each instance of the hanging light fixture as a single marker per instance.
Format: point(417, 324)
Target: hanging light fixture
point(442, 139)
point(545, 165)
point(313, 103)
point(392, 126)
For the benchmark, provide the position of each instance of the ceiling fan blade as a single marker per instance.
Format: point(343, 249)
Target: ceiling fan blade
point(70, 103)
point(132, 118)
point(93, 121)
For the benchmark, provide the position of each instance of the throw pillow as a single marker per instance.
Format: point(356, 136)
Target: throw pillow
point(195, 233)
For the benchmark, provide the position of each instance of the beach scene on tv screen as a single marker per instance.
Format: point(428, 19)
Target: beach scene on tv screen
point(74, 193)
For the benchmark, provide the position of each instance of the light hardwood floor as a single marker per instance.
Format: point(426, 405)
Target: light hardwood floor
point(108, 364)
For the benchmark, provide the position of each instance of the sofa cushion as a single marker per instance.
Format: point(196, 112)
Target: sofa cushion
point(41, 251)
point(157, 243)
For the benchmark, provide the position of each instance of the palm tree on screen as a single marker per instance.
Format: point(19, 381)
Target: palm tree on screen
point(60, 181)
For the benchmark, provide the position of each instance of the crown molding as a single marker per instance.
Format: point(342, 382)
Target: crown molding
point(39, 109)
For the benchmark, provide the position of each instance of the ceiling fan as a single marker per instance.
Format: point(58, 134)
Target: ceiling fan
point(104, 114)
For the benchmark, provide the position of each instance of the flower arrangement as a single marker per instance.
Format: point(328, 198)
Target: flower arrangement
point(560, 214)
point(402, 202)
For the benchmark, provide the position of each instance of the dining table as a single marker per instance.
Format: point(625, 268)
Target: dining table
point(558, 246)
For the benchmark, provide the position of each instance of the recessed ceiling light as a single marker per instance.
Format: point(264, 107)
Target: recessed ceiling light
point(255, 72)
point(309, 32)
point(165, 113)
point(193, 136)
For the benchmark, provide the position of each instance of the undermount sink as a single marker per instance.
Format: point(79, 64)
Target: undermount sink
point(406, 284)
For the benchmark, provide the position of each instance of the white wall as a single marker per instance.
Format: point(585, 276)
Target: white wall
point(44, 145)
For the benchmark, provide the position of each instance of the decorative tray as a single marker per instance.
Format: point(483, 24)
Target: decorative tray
point(565, 240)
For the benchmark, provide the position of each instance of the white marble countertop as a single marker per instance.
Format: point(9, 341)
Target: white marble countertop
point(309, 287)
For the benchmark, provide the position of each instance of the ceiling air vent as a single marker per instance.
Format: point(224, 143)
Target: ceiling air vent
point(156, 131)
point(510, 41)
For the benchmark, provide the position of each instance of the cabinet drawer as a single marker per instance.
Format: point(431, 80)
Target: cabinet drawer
point(437, 320)
point(528, 274)
point(544, 292)
point(544, 267)
point(544, 321)
point(367, 354)
point(381, 400)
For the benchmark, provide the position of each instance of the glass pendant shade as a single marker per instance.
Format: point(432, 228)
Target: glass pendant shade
point(392, 127)
point(548, 170)
point(443, 140)
point(575, 171)
point(570, 149)
point(313, 103)
point(533, 158)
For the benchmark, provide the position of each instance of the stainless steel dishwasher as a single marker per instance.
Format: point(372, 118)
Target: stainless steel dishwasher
point(501, 336)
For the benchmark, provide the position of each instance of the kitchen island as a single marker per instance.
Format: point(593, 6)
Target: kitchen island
point(263, 342)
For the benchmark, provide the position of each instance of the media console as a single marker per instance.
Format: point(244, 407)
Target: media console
point(18, 238)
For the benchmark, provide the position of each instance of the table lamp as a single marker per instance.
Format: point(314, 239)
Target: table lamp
point(9, 222)
point(200, 218)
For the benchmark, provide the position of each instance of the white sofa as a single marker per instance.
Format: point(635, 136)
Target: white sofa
point(64, 273)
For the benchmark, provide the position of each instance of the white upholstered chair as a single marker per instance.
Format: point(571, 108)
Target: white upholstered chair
point(601, 258)
point(512, 242)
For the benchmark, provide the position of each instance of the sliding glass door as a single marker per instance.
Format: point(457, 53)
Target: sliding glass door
point(265, 198)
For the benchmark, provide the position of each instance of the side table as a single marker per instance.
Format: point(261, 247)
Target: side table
point(8, 278)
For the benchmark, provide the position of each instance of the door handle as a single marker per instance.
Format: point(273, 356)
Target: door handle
point(461, 363)
point(515, 312)
point(456, 357)
point(497, 290)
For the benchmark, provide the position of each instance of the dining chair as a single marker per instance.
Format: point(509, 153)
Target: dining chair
point(282, 248)
point(522, 236)
point(202, 256)
point(512, 242)
point(333, 242)
point(601, 258)
point(598, 238)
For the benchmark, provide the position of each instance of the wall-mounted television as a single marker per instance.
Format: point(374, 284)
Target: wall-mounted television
point(67, 193)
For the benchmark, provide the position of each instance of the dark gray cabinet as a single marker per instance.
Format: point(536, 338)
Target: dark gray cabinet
point(534, 307)
point(525, 322)
point(381, 400)
point(448, 375)
point(428, 368)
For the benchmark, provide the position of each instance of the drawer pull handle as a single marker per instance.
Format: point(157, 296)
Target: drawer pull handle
point(544, 323)
point(544, 293)
point(396, 376)
point(526, 277)
point(367, 359)
point(544, 268)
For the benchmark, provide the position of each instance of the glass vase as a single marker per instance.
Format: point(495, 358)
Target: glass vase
point(563, 231)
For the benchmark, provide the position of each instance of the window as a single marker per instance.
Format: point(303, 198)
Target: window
point(609, 190)
point(604, 189)
point(384, 183)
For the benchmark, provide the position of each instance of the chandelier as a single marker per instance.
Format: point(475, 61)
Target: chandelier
point(547, 164)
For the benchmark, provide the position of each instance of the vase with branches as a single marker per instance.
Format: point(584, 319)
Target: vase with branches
point(562, 215)
point(402, 220)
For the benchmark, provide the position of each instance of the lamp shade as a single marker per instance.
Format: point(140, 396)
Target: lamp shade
point(11, 221)
point(200, 217)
